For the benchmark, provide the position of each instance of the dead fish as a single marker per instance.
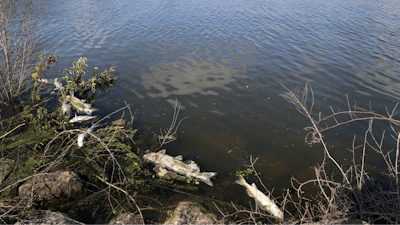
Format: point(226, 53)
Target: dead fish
point(264, 201)
point(45, 81)
point(89, 111)
point(87, 105)
point(66, 108)
point(80, 138)
point(80, 105)
point(83, 135)
point(57, 84)
point(75, 98)
point(80, 119)
point(166, 174)
point(188, 169)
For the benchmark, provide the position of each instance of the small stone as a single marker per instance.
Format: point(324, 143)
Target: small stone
point(127, 218)
point(347, 220)
point(52, 185)
point(48, 218)
point(190, 213)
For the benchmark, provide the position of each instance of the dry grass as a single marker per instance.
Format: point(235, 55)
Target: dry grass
point(17, 46)
point(170, 134)
point(356, 195)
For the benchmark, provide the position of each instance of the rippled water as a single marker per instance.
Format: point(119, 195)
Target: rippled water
point(223, 60)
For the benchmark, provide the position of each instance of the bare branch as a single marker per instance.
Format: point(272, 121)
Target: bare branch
point(170, 135)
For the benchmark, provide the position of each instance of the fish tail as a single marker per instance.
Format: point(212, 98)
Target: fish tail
point(205, 177)
point(206, 181)
point(241, 180)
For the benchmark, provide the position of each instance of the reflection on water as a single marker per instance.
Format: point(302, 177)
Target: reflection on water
point(222, 60)
point(168, 79)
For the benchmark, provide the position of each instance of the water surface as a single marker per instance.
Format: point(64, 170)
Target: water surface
point(224, 60)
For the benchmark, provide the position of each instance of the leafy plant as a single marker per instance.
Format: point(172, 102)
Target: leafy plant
point(79, 87)
point(170, 213)
point(39, 74)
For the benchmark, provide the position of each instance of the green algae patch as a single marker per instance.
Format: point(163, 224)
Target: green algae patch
point(27, 138)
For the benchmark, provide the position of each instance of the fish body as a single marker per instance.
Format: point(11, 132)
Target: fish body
point(77, 106)
point(167, 174)
point(73, 98)
point(188, 169)
point(66, 109)
point(57, 84)
point(86, 105)
point(264, 201)
point(89, 111)
point(80, 104)
point(45, 81)
point(80, 119)
point(83, 134)
point(81, 137)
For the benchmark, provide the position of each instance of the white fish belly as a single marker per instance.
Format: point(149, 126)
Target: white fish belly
point(265, 202)
point(80, 139)
point(171, 163)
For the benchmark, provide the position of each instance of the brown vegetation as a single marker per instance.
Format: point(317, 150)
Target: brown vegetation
point(17, 46)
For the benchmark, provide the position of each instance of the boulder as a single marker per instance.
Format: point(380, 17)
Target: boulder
point(191, 213)
point(127, 218)
point(60, 183)
point(48, 218)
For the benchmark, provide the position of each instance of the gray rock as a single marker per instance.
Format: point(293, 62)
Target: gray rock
point(347, 220)
point(51, 185)
point(48, 218)
point(191, 213)
point(127, 218)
